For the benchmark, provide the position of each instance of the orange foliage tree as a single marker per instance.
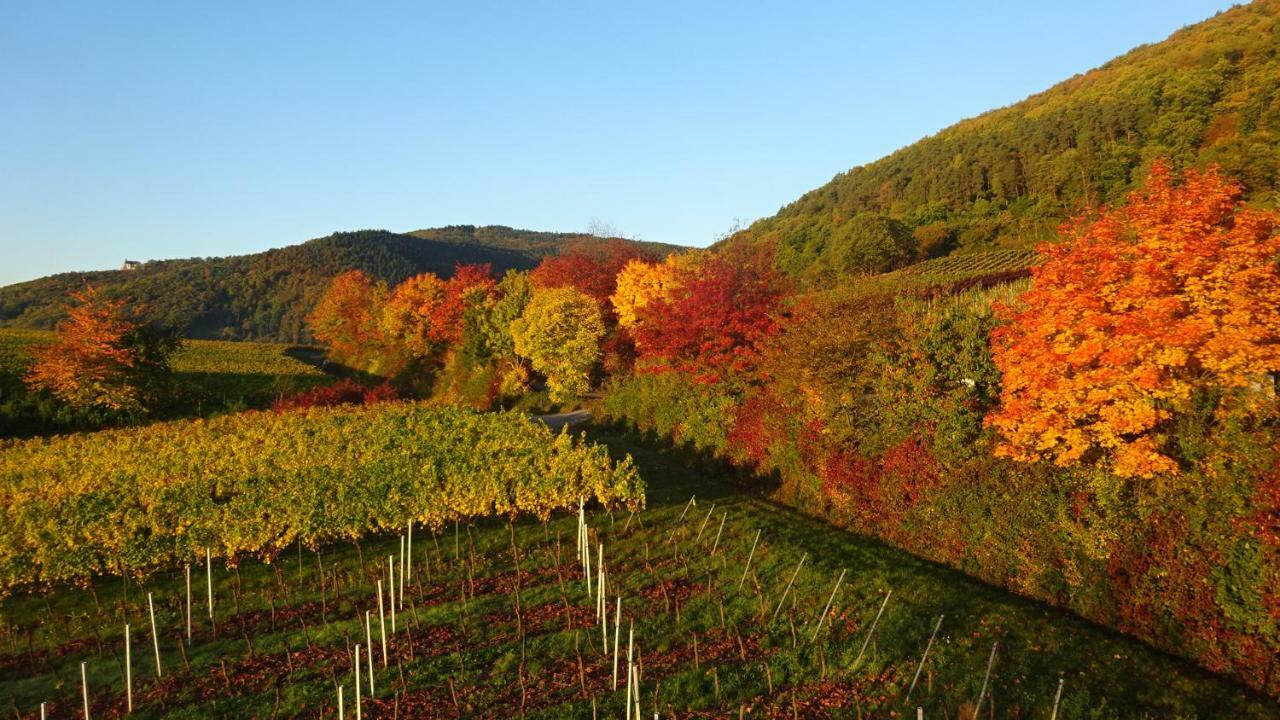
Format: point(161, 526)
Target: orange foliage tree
point(715, 315)
point(424, 314)
point(103, 357)
point(641, 282)
point(1174, 297)
point(346, 319)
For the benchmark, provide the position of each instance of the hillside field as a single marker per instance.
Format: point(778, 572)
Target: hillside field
point(476, 637)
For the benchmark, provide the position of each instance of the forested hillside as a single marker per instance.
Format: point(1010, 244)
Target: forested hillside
point(267, 295)
point(1210, 93)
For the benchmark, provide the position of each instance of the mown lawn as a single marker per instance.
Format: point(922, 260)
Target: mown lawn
point(477, 639)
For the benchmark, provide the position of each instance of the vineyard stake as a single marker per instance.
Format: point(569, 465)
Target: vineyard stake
point(339, 702)
point(719, 532)
point(702, 528)
point(604, 628)
point(795, 574)
point(983, 693)
point(1056, 699)
point(687, 505)
point(382, 624)
point(872, 630)
point(208, 572)
point(827, 609)
point(368, 639)
point(924, 657)
point(155, 636)
point(42, 716)
point(617, 630)
point(637, 672)
point(84, 691)
point(600, 601)
point(627, 702)
point(751, 555)
point(586, 554)
point(391, 587)
point(409, 559)
point(128, 670)
point(357, 678)
point(188, 603)
point(680, 521)
point(631, 640)
point(401, 575)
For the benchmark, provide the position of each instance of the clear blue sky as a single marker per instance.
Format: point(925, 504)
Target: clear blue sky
point(172, 129)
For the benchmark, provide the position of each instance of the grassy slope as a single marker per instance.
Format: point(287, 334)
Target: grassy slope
point(212, 376)
point(1105, 675)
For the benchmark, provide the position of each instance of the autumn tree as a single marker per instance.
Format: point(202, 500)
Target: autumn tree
point(1171, 300)
point(559, 333)
point(424, 314)
point(593, 272)
point(641, 282)
point(347, 319)
point(717, 313)
point(487, 325)
point(104, 357)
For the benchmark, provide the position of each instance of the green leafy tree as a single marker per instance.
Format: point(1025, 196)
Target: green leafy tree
point(870, 243)
point(559, 333)
point(486, 334)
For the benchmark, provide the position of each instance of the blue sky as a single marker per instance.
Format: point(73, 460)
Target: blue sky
point(157, 130)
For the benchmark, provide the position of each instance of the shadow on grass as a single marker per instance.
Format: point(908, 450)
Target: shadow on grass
point(1039, 642)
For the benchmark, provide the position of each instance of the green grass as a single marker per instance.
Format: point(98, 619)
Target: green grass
point(460, 626)
point(210, 377)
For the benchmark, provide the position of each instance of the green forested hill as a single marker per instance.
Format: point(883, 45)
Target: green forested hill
point(1210, 93)
point(267, 295)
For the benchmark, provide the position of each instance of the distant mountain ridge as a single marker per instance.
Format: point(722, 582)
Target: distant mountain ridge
point(267, 295)
point(1210, 93)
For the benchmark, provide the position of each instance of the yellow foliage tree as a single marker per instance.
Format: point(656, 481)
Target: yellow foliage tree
point(641, 282)
point(559, 334)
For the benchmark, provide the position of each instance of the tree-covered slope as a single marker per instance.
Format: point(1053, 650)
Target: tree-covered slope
point(267, 295)
point(1210, 93)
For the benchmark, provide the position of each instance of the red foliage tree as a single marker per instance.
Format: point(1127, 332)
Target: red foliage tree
point(424, 313)
point(715, 319)
point(593, 273)
point(468, 284)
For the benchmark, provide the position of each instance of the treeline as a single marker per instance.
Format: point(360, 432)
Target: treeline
point(266, 296)
point(1208, 94)
point(545, 337)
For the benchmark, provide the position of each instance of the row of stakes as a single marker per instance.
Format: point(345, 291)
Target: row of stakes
point(598, 590)
point(633, 692)
point(397, 597)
